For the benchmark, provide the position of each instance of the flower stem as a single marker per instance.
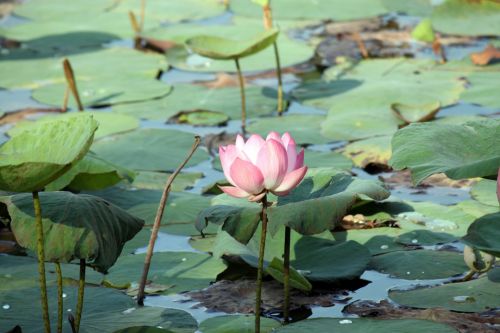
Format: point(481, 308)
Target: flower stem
point(81, 291)
point(243, 99)
point(286, 276)
point(41, 260)
point(157, 223)
point(258, 295)
point(280, 81)
point(59, 297)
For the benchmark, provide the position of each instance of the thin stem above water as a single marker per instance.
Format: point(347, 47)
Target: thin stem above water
point(242, 93)
point(81, 291)
point(260, 268)
point(41, 261)
point(286, 275)
point(59, 297)
point(157, 223)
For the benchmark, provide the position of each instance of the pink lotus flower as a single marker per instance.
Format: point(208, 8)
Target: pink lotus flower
point(258, 166)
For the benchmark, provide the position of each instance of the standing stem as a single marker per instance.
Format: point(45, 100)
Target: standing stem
point(41, 261)
point(286, 275)
point(280, 81)
point(59, 298)
point(70, 78)
point(258, 295)
point(243, 99)
point(157, 223)
point(81, 291)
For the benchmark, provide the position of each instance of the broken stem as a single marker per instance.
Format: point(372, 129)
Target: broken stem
point(70, 78)
point(157, 223)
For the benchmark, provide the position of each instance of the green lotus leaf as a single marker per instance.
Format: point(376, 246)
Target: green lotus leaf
point(149, 149)
point(143, 329)
point(415, 113)
point(183, 271)
point(312, 9)
point(201, 118)
point(470, 18)
point(340, 325)
point(91, 173)
point(105, 67)
point(413, 8)
point(317, 204)
point(20, 272)
point(484, 234)
point(482, 89)
point(425, 237)
point(420, 264)
point(237, 324)
point(326, 159)
point(215, 47)
point(260, 101)
point(484, 191)
point(306, 133)
point(105, 310)
point(109, 123)
point(317, 258)
point(477, 295)
point(75, 226)
point(151, 180)
point(377, 240)
point(33, 159)
point(276, 269)
point(423, 31)
point(460, 151)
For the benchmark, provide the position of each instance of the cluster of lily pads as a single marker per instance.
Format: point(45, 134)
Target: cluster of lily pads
point(82, 189)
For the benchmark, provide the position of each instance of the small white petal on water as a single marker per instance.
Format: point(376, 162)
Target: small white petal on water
point(128, 311)
point(184, 259)
point(6, 306)
point(384, 247)
point(414, 241)
point(345, 321)
point(463, 299)
point(64, 295)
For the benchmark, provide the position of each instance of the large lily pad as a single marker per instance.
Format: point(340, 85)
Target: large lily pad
point(237, 324)
point(103, 92)
point(181, 271)
point(482, 89)
point(180, 212)
point(149, 149)
point(384, 83)
point(376, 240)
point(484, 191)
point(292, 52)
point(75, 226)
point(306, 133)
point(317, 258)
point(318, 10)
point(91, 173)
point(326, 159)
point(105, 310)
point(420, 264)
point(260, 101)
point(109, 123)
point(340, 325)
point(414, 7)
point(100, 66)
point(460, 151)
point(478, 295)
point(470, 18)
point(484, 234)
point(316, 205)
point(33, 159)
point(18, 272)
point(219, 48)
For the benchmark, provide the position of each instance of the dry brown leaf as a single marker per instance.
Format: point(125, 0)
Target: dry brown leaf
point(486, 56)
point(463, 322)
